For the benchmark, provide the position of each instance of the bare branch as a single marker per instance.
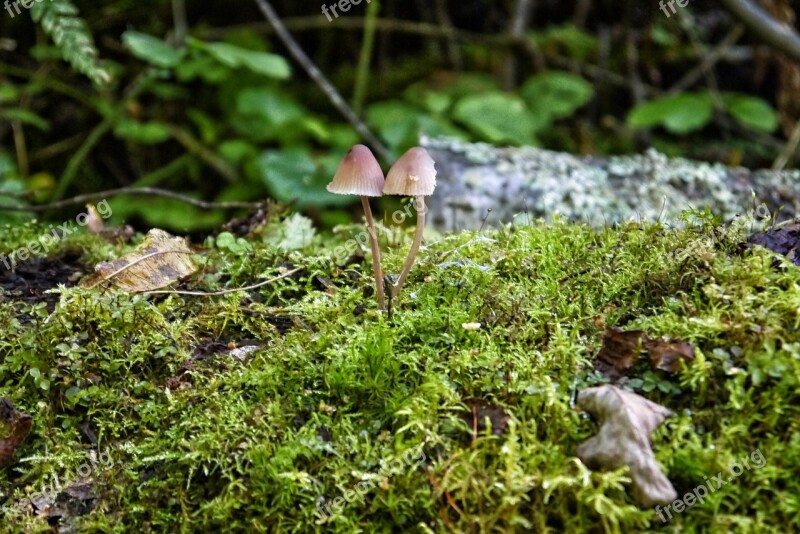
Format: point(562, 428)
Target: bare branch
point(323, 83)
point(774, 33)
point(141, 191)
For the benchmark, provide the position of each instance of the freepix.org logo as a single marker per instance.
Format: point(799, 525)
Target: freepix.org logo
point(13, 7)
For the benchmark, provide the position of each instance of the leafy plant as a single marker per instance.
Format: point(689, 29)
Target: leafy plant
point(70, 33)
point(684, 113)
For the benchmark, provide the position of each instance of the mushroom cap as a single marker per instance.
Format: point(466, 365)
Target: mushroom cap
point(412, 175)
point(358, 174)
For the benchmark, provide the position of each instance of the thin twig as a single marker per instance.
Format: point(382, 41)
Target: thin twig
point(775, 33)
point(224, 291)
point(323, 83)
point(141, 191)
point(364, 59)
point(207, 155)
point(789, 150)
point(516, 31)
point(708, 62)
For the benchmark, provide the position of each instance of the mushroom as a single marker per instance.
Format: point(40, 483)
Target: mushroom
point(360, 174)
point(412, 175)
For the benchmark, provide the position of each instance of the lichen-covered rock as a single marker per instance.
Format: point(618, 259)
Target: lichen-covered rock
point(476, 177)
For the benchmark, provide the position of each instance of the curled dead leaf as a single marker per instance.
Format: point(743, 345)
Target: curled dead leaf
point(158, 261)
point(626, 422)
point(668, 356)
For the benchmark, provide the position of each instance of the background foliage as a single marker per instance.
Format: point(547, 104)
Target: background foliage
point(203, 99)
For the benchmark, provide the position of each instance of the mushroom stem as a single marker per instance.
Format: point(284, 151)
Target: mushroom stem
point(376, 252)
point(412, 254)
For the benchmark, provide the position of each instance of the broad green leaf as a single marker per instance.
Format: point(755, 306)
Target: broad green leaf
point(270, 65)
point(152, 49)
point(680, 114)
point(148, 133)
point(201, 66)
point(291, 175)
point(498, 118)
point(556, 94)
point(751, 111)
point(400, 124)
point(266, 113)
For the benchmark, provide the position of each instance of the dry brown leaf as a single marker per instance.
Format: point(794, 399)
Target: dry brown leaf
point(14, 428)
point(668, 356)
point(626, 422)
point(619, 352)
point(158, 261)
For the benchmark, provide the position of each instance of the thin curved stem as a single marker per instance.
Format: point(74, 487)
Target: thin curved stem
point(376, 252)
point(412, 254)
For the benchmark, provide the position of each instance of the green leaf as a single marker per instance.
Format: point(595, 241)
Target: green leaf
point(498, 117)
point(569, 39)
point(266, 64)
point(8, 93)
point(291, 175)
point(238, 246)
point(25, 116)
point(556, 94)
point(751, 111)
point(679, 114)
point(208, 69)
point(148, 133)
point(152, 49)
point(266, 114)
point(401, 124)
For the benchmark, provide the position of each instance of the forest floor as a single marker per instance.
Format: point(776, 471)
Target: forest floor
point(298, 406)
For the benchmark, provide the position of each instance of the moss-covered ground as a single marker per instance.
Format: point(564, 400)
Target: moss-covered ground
point(440, 425)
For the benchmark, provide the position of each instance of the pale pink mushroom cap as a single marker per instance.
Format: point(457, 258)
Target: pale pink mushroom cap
point(358, 174)
point(412, 175)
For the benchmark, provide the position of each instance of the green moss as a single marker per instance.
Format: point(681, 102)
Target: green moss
point(340, 397)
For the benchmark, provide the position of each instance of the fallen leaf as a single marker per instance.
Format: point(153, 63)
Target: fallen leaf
point(784, 240)
point(485, 414)
point(626, 422)
point(14, 428)
point(667, 356)
point(619, 352)
point(158, 261)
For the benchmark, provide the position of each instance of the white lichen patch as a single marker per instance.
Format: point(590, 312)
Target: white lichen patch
point(477, 177)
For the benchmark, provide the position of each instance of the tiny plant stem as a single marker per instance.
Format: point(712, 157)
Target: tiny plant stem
point(376, 252)
point(412, 254)
point(362, 71)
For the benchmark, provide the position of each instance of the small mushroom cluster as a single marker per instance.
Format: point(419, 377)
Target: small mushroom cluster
point(412, 175)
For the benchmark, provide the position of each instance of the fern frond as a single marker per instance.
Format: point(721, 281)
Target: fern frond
point(60, 19)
